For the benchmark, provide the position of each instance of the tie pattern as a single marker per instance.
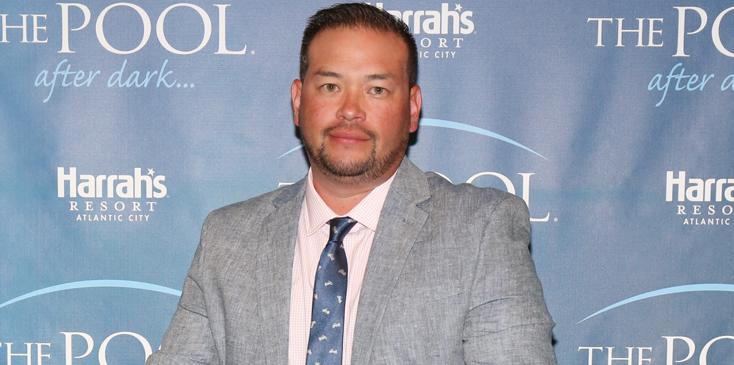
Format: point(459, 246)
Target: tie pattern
point(329, 297)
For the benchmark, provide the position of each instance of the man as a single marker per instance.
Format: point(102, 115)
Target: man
point(367, 260)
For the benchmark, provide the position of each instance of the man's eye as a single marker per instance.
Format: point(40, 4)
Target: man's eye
point(377, 90)
point(330, 87)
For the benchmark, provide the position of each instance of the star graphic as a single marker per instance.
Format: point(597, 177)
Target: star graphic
point(151, 172)
point(458, 7)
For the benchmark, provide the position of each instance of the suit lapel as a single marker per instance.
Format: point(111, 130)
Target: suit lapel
point(275, 266)
point(401, 220)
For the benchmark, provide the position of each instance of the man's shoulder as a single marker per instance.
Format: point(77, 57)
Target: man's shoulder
point(254, 208)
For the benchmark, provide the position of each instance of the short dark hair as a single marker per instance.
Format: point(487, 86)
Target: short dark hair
point(359, 15)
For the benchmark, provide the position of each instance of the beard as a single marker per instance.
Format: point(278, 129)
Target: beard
point(370, 168)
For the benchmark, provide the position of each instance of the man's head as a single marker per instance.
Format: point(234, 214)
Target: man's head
point(356, 101)
point(353, 15)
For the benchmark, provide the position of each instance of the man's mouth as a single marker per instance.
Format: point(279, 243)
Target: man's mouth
point(349, 136)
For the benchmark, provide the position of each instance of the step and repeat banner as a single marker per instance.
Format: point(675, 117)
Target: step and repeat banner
point(125, 123)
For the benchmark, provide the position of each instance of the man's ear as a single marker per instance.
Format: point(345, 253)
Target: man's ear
point(296, 100)
point(416, 102)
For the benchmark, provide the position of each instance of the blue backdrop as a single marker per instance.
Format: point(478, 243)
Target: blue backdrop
point(124, 123)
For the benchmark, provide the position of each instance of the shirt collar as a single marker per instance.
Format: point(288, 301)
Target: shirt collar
point(366, 212)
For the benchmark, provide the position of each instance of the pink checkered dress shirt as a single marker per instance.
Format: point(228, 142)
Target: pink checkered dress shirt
point(313, 233)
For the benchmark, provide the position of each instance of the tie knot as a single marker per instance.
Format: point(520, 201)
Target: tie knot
point(340, 227)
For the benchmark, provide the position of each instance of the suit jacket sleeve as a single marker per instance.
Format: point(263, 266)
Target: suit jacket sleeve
point(189, 338)
point(507, 322)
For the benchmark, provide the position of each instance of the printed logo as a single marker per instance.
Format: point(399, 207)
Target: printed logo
point(121, 347)
point(111, 198)
point(440, 33)
point(700, 201)
point(677, 348)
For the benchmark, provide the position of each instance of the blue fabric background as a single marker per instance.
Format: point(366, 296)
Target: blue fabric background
point(526, 96)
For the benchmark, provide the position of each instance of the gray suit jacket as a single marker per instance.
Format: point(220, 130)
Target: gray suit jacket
point(449, 281)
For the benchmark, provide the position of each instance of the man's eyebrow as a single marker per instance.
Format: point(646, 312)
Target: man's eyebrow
point(371, 77)
point(379, 77)
point(328, 74)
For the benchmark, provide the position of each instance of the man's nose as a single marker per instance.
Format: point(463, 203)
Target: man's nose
point(351, 108)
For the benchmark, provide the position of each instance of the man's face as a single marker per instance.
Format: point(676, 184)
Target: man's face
point(354, 106)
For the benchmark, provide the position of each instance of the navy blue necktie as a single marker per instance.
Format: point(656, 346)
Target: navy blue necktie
point(329, 298)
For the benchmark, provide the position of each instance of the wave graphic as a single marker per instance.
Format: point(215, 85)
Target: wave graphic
point(86, 284)
point(665, 291)
point(440, 123)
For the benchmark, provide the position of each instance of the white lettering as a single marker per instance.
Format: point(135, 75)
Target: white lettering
point(99, 28)
point(65, 30)
point(680, 50)
point(160, 30)
point(68, 336)
point(670, 342)
point(103, 346)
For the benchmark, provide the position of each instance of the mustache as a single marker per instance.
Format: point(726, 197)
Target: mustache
point(350, 127)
